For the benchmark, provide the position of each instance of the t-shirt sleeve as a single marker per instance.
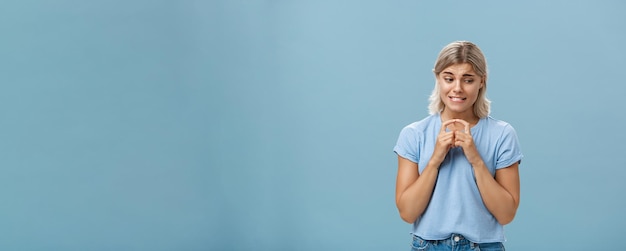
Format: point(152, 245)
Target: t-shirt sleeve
point(509, 151)
point(407, 144)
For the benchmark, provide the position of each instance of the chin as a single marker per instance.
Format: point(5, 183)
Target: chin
point(459, 109)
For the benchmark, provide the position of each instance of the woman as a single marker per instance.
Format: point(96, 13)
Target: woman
point(458, 179)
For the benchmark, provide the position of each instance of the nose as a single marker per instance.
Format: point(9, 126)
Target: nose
point(457, 86)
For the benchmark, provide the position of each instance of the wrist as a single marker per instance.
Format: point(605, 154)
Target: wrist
point(476, 162)
point(434, 163)
point(473, 157)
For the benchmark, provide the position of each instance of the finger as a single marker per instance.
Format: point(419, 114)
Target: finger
point(461, 136)
point(449, 122)
point(458, 136)
point(445, 124)
point(465, 123)
point(457, 143)
point(447, 136)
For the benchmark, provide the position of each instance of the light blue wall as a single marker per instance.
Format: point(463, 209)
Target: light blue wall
point(269, 125)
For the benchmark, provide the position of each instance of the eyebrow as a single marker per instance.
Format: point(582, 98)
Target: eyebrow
point(464, 75)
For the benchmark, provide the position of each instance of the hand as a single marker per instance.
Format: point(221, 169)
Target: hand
point(445, 141)
point(465, 140)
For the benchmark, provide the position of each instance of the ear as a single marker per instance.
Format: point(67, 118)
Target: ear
point(483, 82)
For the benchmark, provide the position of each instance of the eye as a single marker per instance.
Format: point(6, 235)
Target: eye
point(448, 79)
point(469, 80)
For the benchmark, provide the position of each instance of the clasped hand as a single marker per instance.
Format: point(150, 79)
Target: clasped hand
point(455, 133)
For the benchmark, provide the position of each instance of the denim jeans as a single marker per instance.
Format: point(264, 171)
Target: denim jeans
point(456, 242)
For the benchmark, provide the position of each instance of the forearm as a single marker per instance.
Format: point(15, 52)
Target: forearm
point(414, 200)
point(500, 202)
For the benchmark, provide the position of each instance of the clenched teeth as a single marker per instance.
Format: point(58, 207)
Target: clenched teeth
point(457, 98)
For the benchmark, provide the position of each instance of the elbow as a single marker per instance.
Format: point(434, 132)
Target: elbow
point(506, 216)
point(506, 219)
point(407, 217)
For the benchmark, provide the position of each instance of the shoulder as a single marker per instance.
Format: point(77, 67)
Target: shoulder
point(412, 137)
point(504, 138)
point(422, 125)
point(497, 125)
point(499, 129)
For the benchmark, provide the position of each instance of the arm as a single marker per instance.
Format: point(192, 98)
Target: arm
point(500, 194)
point(413, 191)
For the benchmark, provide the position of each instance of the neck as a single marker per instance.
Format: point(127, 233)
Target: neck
point(468, 116)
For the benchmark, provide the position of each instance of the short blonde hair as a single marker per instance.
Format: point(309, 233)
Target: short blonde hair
point(461, 52)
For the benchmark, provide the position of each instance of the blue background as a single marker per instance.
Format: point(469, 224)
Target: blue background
point(269, 125)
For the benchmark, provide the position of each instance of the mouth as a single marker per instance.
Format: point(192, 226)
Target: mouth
point(457, 99)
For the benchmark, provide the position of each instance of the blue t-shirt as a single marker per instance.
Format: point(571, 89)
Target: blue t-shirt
point(456, 205)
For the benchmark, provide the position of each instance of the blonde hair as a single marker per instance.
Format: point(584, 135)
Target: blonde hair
point(461, 52)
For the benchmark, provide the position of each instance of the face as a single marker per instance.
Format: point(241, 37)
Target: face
point(458, 88)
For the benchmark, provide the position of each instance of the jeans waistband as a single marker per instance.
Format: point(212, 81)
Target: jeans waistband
point(453, 240)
